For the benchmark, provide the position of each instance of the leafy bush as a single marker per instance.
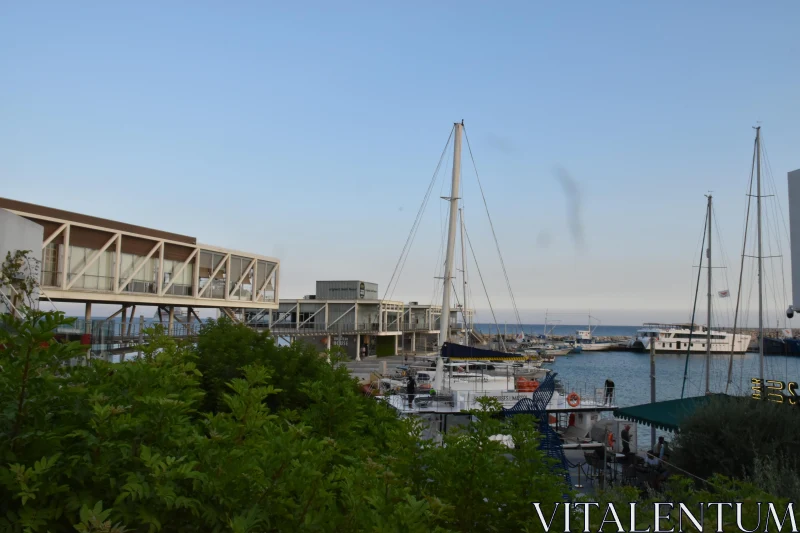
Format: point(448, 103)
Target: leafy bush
point(237, 434)
point(690, 493)
point(742, 439)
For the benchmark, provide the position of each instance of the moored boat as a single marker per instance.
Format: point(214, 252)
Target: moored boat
point(678, 338)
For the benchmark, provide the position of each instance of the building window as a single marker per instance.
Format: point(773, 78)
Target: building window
point(50, 272)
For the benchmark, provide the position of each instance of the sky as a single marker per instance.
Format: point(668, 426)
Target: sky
point(310, 133)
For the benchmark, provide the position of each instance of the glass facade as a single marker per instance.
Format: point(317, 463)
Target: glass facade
point(215, 274)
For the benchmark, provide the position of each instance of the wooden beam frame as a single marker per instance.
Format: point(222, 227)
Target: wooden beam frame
point(318, 311)
point(287, 313)
point(53, 235)
point(269, 277)
point(95, 256)
point(213, 274)
point(65, 266)
point(178, 273)
point(342, 316)
point(244, 275)
point(136, 270)
point(228, 313)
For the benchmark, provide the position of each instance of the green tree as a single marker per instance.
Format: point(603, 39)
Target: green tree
point(743, 439)
point(239, 434)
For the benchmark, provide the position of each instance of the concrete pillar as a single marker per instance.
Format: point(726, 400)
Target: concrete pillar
point(141, 335)
point(358, 347)
point(413, 342)
point(328, 342)
point(124, 323)
point(395, 343)
point(129, 329)
point(171, 323)
point(87, 327)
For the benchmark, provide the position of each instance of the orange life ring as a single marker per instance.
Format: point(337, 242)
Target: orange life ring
point(611, 439)
point(573, 399)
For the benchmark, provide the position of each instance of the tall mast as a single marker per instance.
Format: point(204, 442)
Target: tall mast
point(760, 273)
point(464, 308)
point(444, 327)
point(708, 321)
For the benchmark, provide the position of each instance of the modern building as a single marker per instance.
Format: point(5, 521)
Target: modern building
point(348, 314)
point(19, 234)
point(85, 259)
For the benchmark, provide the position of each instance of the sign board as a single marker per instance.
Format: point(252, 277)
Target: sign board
point(774, 391)
point(340, 341)
point(362, 291)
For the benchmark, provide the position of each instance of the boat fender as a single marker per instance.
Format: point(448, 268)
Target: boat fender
point(611, 440)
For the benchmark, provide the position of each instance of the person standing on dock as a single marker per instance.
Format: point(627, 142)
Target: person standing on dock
point(661, 448)
point(411, 389)
point(609, 392)
point(626, 440)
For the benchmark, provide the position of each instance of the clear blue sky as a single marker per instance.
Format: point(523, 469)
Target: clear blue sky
point(310, 133)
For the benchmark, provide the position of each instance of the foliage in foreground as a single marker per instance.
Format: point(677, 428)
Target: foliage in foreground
point(743, 439)
point(237, 434)
point(693, 494)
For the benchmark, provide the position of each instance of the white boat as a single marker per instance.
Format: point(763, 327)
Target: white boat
point(551, 350)
point(675, 338)
point(585, 339)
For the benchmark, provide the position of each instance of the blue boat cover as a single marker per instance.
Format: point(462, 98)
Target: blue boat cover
point(468, 353)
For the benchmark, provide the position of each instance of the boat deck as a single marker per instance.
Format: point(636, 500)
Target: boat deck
point(460, 402)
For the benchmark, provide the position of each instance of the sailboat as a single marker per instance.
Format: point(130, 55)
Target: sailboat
point(759, 384)
point(462, 388)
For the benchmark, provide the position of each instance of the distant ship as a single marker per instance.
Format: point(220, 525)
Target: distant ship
point(675, 338)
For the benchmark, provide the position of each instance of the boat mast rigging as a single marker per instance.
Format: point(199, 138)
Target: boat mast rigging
point(694, 309)
point(464, 307)
point(444, 321)
point(741, 268)
point(708, 321)
point(760, 261)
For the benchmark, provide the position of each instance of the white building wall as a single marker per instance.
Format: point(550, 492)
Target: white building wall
point(17, 233)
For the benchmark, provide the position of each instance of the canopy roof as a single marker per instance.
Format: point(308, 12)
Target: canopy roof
point(666, 415)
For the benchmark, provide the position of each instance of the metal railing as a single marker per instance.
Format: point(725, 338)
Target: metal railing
point(91, 282)
point(343, 327)
point(114, 332)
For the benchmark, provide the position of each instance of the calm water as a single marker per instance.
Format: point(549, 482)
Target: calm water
point(630, 372)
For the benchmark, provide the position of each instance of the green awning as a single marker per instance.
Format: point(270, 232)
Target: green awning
point(666, 415)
